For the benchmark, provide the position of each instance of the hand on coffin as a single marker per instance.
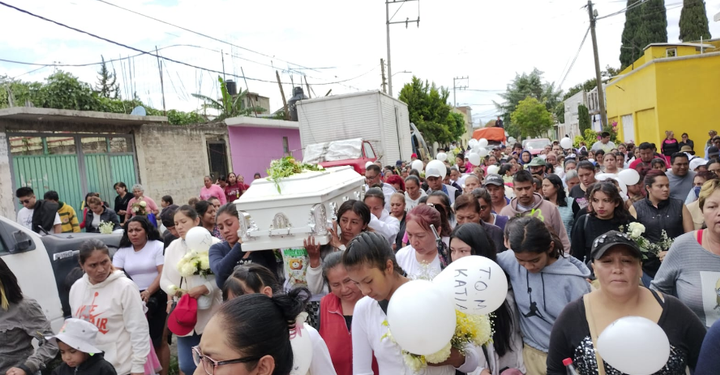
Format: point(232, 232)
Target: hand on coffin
point(313, 250)
point(334, 238)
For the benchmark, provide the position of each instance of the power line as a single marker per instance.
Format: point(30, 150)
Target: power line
point(142, 52)
point(203, 35)
point(575, 58)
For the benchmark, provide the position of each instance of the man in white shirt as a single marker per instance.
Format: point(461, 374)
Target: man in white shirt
point(604, 143)
point(46, 217)
point(373, 178)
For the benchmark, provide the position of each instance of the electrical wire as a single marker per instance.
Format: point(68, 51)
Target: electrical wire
point(575, 58)
point(142, 52)
point(203, 35)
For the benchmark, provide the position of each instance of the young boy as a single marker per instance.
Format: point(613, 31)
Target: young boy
point(76, 341)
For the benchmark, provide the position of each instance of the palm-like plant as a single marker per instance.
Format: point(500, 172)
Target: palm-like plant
point(229, 106)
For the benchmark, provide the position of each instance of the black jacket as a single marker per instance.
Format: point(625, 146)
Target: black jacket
point(108, 215)
point(95, 365)
point(44, 215)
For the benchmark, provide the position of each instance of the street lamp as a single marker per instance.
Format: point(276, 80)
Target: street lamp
point(404, 71)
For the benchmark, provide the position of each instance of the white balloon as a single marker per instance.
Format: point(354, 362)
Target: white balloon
point(566, 143)
point(493, 169)
point(417, 164)
point(482, 142)
point(437, 164)
point(441, 156)
point(413, 308)
point(473, 143)
point(474, 158)
point(629, 176)
point(199, 239)
point(512, 140)
point(478, 285)
point(302, 348)
point(483, 152)
point(634, 345)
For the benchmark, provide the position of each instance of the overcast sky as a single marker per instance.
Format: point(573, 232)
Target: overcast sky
point(328, 41)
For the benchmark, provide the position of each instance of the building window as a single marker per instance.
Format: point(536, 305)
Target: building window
point(671, 52)
point(286, 147)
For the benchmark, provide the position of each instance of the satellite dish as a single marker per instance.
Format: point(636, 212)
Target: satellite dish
point(139, 111)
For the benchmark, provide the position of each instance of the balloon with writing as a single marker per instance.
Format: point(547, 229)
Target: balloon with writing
point(634, 345)
point(478, 285)
point(421, 317)
point(199, 239)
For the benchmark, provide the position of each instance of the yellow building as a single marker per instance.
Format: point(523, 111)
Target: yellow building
point(671, 87)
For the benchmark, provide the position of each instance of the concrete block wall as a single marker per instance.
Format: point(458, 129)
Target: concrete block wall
point(7, 195)
point(172, 160)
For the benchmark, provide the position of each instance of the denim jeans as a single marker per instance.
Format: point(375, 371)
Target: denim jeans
point(646, 279)
point(184, 348)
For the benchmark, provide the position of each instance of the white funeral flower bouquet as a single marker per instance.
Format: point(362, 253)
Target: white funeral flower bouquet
point(194, 263)
point(106, 227)
point(636, 230)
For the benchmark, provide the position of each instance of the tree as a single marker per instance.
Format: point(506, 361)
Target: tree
point(532, 118)
point(228, 106)
point(523, 86)
point(430, 111)
point(653, 28)
point(583, 118)
point(693, 21)
point(107, 86)
point(631, 50)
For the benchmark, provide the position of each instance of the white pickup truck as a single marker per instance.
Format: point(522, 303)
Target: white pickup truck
point(42, 264)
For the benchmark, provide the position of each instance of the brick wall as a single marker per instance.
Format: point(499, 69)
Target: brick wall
point(172, 160)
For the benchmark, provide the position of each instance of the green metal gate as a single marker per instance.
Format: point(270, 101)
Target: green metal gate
point(72, 165)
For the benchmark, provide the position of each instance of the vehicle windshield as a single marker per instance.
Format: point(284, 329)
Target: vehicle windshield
point(536, 144)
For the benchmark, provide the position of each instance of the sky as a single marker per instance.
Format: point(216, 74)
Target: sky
point(334, 45)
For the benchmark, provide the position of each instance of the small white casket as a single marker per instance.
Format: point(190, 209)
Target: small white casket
point(274, 220)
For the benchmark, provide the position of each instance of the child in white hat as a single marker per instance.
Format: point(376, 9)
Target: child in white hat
point(76, 341)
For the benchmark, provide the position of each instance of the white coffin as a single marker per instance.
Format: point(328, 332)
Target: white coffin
point(306, 205)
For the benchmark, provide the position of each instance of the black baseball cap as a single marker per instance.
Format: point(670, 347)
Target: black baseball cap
point(613, 238)
point(494, 179)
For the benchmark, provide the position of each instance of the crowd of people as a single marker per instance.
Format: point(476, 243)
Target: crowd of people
point(581, 244)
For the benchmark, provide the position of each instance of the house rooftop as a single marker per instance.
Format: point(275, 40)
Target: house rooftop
point(68, 115)
point(696, 45)
point(259, 122)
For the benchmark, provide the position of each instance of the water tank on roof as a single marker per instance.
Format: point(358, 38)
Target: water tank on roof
point(231, 87)
point(298, 94)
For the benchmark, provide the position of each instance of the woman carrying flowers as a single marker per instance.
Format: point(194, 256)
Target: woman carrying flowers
point(371, 264)
point(140, 204)
point(181, 275)
point(663, 217)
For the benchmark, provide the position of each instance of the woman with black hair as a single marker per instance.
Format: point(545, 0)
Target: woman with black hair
point(544, 282)
point(256, 279)
point(505, 351)
point(21, 320)
point(226, 255)
point(206, 211)
point(195, 286)
point(554, 191)
point(251, 334)
point(122, 199)
point(141, 257)
point(371, 264)
point(441, 202)
point(608, 213)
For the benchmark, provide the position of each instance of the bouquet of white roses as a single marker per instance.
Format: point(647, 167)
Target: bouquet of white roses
point(636, 230)
point(106, 227)
point(194, 263)
point(139, 208)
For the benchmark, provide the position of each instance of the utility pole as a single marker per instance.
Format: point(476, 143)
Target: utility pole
point(162, 86)
point(286, 109)
point(382, 70)
point(388, 22)
point(455, 87)
point(598, 76)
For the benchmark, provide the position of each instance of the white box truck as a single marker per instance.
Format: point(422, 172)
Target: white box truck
point(373, 116)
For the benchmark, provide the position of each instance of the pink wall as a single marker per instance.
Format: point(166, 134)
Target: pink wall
point(252, 148)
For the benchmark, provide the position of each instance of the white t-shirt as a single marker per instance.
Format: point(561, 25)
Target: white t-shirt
point(96, 221)
point(24, 218)
point(141, 265)
point(415, 270)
